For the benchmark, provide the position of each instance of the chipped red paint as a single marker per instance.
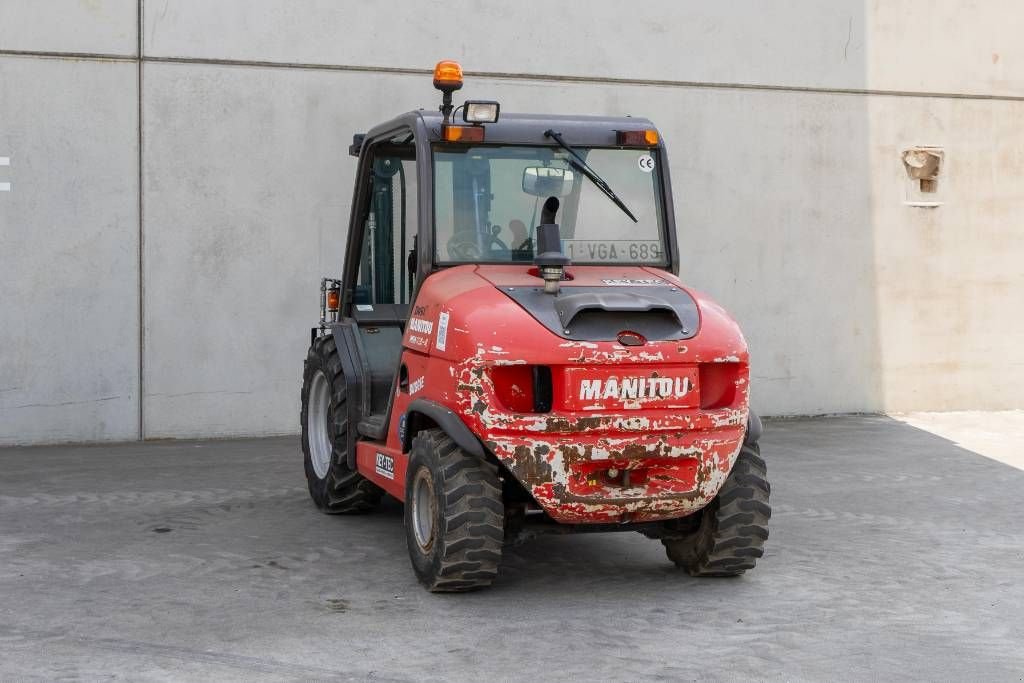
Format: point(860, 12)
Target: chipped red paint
point(657, 455)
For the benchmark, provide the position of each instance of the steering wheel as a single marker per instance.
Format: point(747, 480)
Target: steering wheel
point(463, 246)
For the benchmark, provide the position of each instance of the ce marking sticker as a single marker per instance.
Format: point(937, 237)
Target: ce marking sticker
point(646, 163)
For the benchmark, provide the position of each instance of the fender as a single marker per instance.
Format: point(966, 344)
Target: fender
point(355, 372)
point(450, 423)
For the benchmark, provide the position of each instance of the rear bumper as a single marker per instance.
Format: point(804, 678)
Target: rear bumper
point(587, 468)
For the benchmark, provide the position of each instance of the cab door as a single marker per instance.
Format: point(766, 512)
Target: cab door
point(380, 275)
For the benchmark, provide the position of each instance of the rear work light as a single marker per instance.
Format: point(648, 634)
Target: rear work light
point(462, 133)
point(474, 111)
point(637, 138)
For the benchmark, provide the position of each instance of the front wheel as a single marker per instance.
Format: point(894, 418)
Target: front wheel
point(332, 485)
point(733, 527)
point(454, 515)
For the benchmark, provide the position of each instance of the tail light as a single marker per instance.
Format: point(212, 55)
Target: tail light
point(333, 300)
point(522, 388)
point(330, 301)
point(718, 384)
point(636, 138)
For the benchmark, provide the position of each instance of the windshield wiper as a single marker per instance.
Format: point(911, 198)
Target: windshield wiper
point(578, 161)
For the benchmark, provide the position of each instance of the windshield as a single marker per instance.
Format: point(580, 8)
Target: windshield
point(488, 201)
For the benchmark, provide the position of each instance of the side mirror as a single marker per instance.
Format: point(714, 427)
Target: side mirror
point(543, 181)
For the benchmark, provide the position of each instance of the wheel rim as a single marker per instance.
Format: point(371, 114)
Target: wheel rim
point(422, 501)
point(321, 446)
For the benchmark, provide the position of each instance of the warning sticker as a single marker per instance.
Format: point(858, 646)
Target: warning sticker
point(627, 282)
point(442, 331)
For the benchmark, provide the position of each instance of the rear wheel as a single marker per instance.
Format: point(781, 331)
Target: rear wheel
point(454, 515)
point(333, 486)
point(733, 527)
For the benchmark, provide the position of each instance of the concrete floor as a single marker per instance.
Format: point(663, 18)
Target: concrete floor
point(894, 553)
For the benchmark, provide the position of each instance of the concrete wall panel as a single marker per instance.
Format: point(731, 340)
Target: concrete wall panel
point(802, 43)
point(82, 26)
point(774, 221)
point(68, 251)
point(247, 190)
point(950, 278)
point(946, 46)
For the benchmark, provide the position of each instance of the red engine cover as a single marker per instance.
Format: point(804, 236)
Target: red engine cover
point(626, 437)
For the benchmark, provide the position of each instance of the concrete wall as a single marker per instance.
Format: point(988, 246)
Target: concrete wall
point(785, 124)
point(69, 312)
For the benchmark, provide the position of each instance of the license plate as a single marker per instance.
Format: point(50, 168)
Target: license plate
point(631, 388)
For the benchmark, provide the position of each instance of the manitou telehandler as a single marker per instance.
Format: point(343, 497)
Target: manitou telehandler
point(509, 350)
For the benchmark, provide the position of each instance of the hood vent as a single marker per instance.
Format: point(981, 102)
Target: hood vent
point(600, 313)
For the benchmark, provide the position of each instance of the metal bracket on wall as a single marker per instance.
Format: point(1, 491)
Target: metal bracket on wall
point(923, 165)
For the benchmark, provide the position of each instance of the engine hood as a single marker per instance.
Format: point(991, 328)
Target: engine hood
point(598, 305)
point(501, 310)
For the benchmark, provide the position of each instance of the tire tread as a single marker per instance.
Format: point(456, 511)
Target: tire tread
point(471, 533)
point(342, 491)
point(734, 526)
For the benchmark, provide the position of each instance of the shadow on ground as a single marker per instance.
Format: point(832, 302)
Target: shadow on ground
point(893, 552)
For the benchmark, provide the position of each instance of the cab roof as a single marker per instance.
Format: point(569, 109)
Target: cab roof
point(522, 129)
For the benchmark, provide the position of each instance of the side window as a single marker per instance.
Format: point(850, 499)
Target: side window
point(389, 228)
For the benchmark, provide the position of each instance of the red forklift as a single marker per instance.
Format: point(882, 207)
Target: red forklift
point(509, 350)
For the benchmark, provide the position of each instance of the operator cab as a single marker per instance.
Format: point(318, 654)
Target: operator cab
point(509, 351)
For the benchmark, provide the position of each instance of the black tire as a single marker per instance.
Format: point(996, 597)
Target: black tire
point(456, 545)
point(339, 489)
point(733, 527)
